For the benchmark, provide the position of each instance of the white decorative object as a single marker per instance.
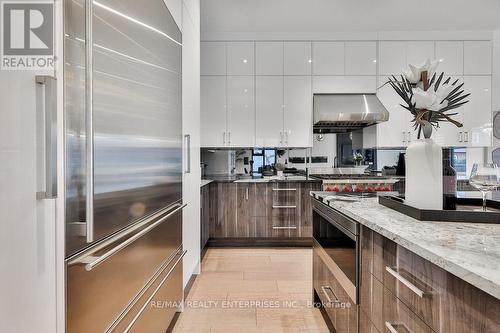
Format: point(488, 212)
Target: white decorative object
point(414, 73)
point(280, 173)
point(424, 175)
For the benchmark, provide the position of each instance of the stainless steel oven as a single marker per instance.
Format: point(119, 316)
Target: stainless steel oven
point(336, 236)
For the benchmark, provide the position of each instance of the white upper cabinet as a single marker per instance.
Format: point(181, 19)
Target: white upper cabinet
point(477, 113)
point(417, 52)
point(344, 84)
point(241, 111)
point(213, 111)
point(213, 58)
point(328, 58)
point(240, 58)
point(297, 57)
point(269, 111)
point(392, 57)
point(397, 55)
point(298, 111)
point(269, 58)
point(451, 57)
point(360, 58)
point(477, 58)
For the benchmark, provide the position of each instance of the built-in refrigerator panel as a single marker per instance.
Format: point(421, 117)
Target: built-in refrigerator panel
point(137, 117)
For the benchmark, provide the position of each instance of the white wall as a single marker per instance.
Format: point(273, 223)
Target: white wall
point(191, 126)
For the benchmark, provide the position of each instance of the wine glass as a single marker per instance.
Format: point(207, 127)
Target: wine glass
point(486, 178)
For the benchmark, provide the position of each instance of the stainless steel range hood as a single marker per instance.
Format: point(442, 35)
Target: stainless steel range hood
point(340, 113)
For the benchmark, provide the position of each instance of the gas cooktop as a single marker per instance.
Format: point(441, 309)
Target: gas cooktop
point(354, 176)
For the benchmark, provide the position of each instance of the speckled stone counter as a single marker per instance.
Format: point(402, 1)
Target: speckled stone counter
point(205, 182)
point(470, 251)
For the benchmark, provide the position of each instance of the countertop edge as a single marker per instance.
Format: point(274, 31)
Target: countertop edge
point(472, 278)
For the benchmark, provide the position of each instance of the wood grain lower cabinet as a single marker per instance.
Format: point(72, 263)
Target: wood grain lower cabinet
point(204, 215)
point(280, 210)
point(416, 292)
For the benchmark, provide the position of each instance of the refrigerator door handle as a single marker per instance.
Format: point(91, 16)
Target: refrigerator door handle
point(47, 106)
point(187, 147)
point(92, 262)
point(89, 120)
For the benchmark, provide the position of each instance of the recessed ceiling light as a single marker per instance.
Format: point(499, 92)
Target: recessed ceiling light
point(245, 61)
point(441, 60)
point(374, 60)
point(309, 61)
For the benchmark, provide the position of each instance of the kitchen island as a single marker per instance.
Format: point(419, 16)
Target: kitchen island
point(426, 276)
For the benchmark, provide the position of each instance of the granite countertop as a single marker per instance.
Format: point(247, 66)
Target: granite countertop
point(205, 182)
point(237, 179)
point(470, 251)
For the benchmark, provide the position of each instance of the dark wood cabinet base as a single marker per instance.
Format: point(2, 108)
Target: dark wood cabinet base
point(260, 242)
point(318, 304)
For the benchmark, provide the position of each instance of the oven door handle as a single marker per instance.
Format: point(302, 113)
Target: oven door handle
point(324, 289)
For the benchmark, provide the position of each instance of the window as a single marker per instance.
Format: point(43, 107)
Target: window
point(262, 157)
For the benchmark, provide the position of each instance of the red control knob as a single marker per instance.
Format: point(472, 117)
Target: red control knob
point(336, 189)
point(329, 189)
point(358, 189)
point(387, 189)
point(347, 189)
point(371, 189)
point(380, 188)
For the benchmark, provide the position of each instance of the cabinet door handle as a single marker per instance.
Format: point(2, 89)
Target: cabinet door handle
point(224, 138)
point(286, 137)
point(459, 136)
point(246, 194)
point(47, 108)
point(466, 134)
point(229, 137)
point(284, 189)
point(283, 207)
point(187, 146)
point(324, 289)
point(404, 136)
point(284, 228)
point(409, 137)
point(392, 327)
point(281, 138)
point(404, 281)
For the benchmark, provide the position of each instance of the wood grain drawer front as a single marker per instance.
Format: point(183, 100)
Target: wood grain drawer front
point(342, 312)
point(416, 282)
point(398, 318)
point(365, 324)
point(371, 299)
point(372, 260)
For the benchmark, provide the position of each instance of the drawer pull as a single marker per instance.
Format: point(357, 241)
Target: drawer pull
point(283, 207)
point(324, 289)
point(404, 281)
point(284, 189)
point(393, 327)
point(281, 228)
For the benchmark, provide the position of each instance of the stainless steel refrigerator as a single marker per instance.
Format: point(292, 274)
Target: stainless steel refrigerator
point(123, 165)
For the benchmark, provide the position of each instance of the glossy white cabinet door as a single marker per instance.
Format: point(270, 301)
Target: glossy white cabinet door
point(417, 52)
point(269, 58)
point(240, 58)
point(451, 57)
point(392, 57)
point(360, 58)
point(396, 131)
point(298, 111)
point(477, 113)
point(213, 111)
point(269, 111)
point(344, 84)
point(241, 111)
point(213, 58)
point(328, 58)
point(477, 58)
point(297, 57)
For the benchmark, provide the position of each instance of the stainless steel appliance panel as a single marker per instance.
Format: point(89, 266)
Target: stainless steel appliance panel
point(137, 116)
point(153, 311)
point(97, 297)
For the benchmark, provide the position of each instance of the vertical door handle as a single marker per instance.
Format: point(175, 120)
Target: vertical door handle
point(229, 138)
point(409, 137)
point(281, 138)
point(459, 136)
point(404, 137)
point(89, 119)
point(187, 147)
point(466, 135)
point(223, 138)
point(286, 136)
point(246, 195)
point(46, 105)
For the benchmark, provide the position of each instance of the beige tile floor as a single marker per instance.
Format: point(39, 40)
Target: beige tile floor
point(252, 291)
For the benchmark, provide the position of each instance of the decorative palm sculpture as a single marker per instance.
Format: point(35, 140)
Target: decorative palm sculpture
point(428, 97)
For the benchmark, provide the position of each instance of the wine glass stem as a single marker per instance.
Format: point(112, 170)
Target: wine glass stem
point(484, 200)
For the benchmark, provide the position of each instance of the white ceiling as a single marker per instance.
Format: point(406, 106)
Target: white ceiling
point(348, 15)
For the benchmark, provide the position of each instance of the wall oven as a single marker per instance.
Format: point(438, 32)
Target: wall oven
point(336, 240)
